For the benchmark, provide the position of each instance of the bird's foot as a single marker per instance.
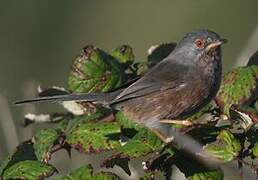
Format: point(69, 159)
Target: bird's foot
point(182, 122)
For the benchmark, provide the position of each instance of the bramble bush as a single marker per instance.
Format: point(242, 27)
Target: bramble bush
point(226, 127)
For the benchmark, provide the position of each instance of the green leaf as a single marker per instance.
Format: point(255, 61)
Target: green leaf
point(148, 176)
point(193, 168)
point(90, 137)
point(70, 123)
point(43, 141)
point(126, 122)
point(29, 170)
point(94, 71)
point(225, 148)
point(143, 143)
point(124, 54)
point(210, 175)
point(105, 176)
point(23, 152)
point(237, 87)
point(86, 172)
point(196, 116)
point(255, 149)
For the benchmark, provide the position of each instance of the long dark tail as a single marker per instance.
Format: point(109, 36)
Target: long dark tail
point(103, 98)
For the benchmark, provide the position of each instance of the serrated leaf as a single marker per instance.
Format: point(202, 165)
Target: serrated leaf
point(191, 167)
point(126, 122)
point(210, 175)
point(143, 143)
point(105, 176)
point(67, 124)
point(29, 170)
point(86, 173)
point(94, 71)
point(148, 176)
point(225, 148)
point(205, 134)
point(43, 141)
point(91, 137)
point(255, 149)
point(237, 88)
point(201, 112)
point(124, 54)
point(23, 152)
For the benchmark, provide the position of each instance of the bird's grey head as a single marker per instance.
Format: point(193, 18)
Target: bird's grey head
point(195, 45)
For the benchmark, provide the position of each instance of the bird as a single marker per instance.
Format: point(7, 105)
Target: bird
point(175, 88)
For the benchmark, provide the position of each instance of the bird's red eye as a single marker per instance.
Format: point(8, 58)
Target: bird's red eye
point(199, 43)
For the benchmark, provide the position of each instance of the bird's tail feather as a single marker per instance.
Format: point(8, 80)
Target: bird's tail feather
point(104, 98)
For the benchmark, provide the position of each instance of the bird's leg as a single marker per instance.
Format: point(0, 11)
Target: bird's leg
point(162, 136)
point(182, 122)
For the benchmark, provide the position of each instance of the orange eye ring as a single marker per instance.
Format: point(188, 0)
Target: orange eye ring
point(199, 43)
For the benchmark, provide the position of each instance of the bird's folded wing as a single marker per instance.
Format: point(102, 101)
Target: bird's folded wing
point(166, 75)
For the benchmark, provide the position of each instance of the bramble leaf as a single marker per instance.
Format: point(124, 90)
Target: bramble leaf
point(126, 122)
point(148, 176)
point(237, 88)
point(23, 152)
point(29, 170)
point(94, 71)
point(86, 172)
point(124, 54)
point(225, 148)
point(255, 149)
point(196, 116)
point(212, 175)
point(143, 143)
point(92, 137)
point(43, 141)
point(68, 124)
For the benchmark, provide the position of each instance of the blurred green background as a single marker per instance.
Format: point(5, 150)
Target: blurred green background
point(39, 40)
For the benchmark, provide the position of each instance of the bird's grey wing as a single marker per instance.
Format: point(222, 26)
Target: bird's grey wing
point(165, 75)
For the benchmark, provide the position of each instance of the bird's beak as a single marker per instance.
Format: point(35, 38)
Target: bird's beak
point(216, 44)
